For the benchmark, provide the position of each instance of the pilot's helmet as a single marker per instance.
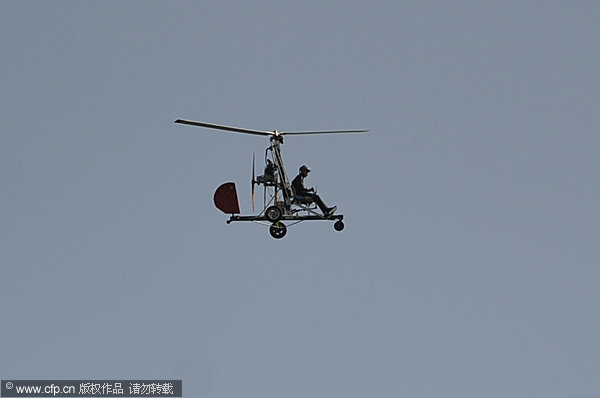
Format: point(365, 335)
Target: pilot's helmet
point(304, 167)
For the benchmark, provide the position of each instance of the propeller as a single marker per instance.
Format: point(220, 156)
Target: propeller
point(264, 133)
point(253, 181)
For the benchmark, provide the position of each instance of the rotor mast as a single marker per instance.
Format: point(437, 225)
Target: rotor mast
point(286, 190)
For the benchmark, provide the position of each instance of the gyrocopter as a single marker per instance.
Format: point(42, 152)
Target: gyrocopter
point(282, 206)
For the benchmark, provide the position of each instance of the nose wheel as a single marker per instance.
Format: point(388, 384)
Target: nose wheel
point(338, 226)
point(278, 230)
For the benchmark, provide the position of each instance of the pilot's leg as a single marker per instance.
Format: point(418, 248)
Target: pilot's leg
point(318, 201)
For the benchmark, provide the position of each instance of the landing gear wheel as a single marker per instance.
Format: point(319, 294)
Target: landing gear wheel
point(278, 230)
point(273, 213)
point(338, 226)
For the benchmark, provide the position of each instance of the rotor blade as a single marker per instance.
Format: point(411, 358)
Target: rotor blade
point(323, 132)
point(253, 181)
point(221, 127)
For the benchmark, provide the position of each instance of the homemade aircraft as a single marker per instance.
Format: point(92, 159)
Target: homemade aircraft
point(280, 202)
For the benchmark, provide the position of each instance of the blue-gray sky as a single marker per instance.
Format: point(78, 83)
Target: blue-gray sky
point(469, 263)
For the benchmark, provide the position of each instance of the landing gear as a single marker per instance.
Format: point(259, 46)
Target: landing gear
point(338, 226)
point(273, 213)
point(278, 230)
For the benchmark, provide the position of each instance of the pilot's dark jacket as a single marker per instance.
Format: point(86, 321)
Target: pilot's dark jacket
point(298, 185)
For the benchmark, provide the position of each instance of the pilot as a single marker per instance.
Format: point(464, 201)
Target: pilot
point(304, 194)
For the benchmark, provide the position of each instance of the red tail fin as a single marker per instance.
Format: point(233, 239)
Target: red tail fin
point(226, 199)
